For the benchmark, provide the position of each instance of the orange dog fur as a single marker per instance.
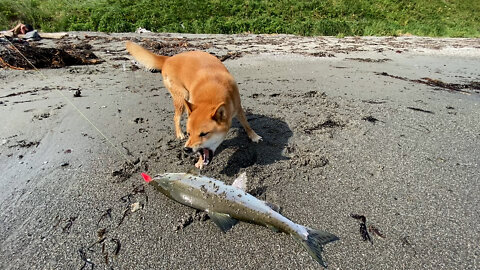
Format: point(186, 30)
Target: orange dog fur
point(201, 84)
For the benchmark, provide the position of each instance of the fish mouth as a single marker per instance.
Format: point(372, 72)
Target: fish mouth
point(206, 154)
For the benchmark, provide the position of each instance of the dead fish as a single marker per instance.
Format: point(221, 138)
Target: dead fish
point(226, 205)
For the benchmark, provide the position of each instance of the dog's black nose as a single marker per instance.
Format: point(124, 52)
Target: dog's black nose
point(187, 150)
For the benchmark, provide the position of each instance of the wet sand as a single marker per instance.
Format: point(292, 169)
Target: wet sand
point(382, 127)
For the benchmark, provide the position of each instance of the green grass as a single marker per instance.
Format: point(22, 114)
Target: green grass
point(452, 18)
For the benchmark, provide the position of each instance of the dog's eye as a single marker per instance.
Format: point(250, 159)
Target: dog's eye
point(203, 134)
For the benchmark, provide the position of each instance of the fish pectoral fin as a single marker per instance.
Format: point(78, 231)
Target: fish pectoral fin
point(241, 182)
point(273, 228)
point(194, 171)
point(274, 207)
point(224, 221)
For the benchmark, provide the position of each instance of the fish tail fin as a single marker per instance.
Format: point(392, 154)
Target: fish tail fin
point(147, 58)
point(314, 242)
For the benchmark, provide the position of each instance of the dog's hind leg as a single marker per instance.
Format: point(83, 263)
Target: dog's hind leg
point(250, 132)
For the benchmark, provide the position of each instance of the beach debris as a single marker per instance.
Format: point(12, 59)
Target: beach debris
point(374, 230)
point(86, 261)
point(101, 233)
point(56, 35)
point(129, 168)
point(4, 64)
point(32, 36)
point(370, 119)
point(364, 232)
point(320, 54)
point(65, 164)
point(41, 116)
point(363, 219)
point(41, 57)
point(68, 226)
point(184, 222)
point(450, 86)
point(312, 93)
point(142, 30)
point(374, 101)
point(228, 204)
point(117, 246)
point(108, 213)
point(136, 189)
point(363, 227)
point(138, 120)
point(405, 241)
point(230, 55)
point(126, 198)
point(324, 125)
point(105, 254)
point(173, 46)
point(420, 110)
point(78, 93)
point(31, 92)
point(25, 144)
point(370, 60)
point(134, 207)
point(190, 218)
point(126, 212)
point(458, 87)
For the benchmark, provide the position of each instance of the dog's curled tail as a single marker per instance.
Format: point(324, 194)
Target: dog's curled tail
point(145, 57)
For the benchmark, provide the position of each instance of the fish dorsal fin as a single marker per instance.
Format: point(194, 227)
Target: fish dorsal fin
point(241, 182)
point(224, 221)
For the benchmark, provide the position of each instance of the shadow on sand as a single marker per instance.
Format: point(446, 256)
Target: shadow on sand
point(275, 134)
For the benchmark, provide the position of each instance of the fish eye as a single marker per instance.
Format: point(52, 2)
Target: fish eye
point(203, 134)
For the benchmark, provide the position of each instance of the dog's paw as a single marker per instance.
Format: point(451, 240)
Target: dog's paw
point(180, 136)
point(255, 138)
point(199, 163)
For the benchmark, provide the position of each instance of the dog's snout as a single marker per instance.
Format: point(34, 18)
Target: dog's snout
point(187, 150)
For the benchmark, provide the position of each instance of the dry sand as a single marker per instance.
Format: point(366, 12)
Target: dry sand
point(349, 127)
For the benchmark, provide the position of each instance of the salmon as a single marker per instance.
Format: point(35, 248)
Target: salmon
point(228, 204)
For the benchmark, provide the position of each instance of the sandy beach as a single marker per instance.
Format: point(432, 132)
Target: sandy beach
point(384, 127)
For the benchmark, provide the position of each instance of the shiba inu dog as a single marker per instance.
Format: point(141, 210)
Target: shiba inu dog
point(201, 84)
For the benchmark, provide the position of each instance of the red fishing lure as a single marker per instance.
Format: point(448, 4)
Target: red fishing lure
point(146, 177)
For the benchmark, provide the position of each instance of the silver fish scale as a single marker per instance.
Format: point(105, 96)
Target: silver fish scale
point(230, 193)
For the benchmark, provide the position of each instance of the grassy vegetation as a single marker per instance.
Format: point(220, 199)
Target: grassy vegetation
point(453, 18)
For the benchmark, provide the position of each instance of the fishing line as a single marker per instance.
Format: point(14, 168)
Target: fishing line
point(73, 105)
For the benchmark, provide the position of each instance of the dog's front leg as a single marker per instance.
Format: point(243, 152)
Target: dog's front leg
point(250, 132)
point(179, 107)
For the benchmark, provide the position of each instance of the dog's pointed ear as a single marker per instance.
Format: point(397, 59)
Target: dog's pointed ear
point(190, 107)
point(220, 113)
